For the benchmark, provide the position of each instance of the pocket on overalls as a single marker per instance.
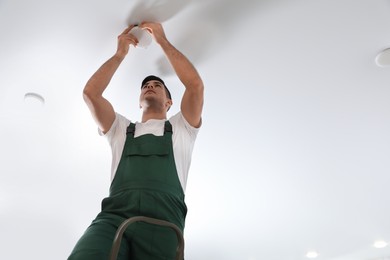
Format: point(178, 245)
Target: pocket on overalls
point(146, 149)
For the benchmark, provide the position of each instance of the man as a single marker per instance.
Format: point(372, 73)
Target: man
point(151, 158)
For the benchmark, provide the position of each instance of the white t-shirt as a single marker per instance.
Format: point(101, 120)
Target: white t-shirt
point(183, 140)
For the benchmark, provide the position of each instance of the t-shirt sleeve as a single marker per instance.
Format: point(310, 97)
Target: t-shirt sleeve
point(118, 127)
point(178, 121)
point(184, 136)
point(116, 138)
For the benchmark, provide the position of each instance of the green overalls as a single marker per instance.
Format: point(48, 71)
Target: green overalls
point(145, 184)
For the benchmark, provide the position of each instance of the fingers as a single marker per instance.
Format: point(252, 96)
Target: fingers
point(133, 40)
point(128, 29)
point(150, 26)
point(124, 43)
point(155, 29)
point(127, 36)
point(144, 24)
point(130, 39)
point(125, 40)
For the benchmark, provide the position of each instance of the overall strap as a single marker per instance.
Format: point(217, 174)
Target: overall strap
point(130, 129)
point(167, 127)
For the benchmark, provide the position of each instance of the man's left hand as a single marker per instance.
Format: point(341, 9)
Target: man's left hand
point(156, 30)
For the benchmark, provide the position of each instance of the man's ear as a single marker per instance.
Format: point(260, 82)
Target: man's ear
point(168, 104)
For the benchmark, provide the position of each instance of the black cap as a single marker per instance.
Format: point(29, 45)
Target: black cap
point(152, 77)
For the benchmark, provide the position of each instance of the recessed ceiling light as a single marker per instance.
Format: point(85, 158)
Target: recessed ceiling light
point(383, 58)
point(312, 254)
point(380, 244)
point(34, 98)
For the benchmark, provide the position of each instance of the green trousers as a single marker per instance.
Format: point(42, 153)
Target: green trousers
point(145, 184)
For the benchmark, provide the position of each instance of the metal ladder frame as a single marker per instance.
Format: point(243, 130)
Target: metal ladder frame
point(122, 228)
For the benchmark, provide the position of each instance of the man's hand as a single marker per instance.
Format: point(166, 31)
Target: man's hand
point(125, 39)
point(156, 30)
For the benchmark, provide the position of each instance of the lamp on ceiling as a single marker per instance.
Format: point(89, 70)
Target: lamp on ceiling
point(144, 38)
point(32, 97)
point(383, 58)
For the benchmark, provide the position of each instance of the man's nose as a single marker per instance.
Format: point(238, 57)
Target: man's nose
point(149, 86)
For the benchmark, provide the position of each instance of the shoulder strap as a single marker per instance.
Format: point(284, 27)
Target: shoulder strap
point(167, 127)
point(130, 129)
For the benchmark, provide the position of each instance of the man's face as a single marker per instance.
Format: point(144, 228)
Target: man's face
point(154, 91)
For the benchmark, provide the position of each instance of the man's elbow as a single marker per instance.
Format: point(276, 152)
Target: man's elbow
point(90, 98)
point(198, 85)
point(89, 95)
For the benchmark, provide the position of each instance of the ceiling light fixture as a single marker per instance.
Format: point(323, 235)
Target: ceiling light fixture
point(35, 98)
point(312, 254)
point(380, 244)
point(143, 36)
point(383, 58)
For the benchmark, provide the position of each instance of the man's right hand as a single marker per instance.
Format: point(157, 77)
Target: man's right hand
point(125, 39)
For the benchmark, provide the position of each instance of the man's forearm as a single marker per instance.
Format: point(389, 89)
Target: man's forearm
point(102, 77)
point(182, 66)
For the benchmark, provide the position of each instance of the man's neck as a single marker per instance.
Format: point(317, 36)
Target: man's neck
point(153, 115)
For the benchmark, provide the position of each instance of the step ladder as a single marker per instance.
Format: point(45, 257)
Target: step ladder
point(122, 228)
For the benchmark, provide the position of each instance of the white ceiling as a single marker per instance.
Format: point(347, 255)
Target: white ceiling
point(294, 152)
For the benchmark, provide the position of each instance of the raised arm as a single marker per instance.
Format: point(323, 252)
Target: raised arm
point(101, 109)
point(192, 101)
